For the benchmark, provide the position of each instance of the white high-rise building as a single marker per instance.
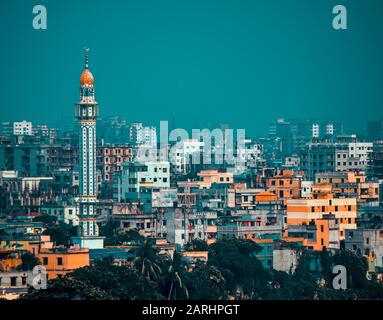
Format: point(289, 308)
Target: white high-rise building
point(140, 135)
point(22, 128)
point(185, 152)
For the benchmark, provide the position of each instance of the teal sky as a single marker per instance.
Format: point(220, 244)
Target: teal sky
point(203, 62)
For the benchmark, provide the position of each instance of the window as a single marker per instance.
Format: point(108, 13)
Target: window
point(59, 261)
point(45, 261)
point(367, 240)
point(13, 281)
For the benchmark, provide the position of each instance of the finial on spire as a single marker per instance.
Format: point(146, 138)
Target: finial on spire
point(86, 57)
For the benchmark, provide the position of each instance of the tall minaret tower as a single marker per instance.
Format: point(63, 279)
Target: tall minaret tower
point(86, 113)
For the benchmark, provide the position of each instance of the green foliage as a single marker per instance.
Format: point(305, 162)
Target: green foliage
point(356, 267)
point(148, 262)
point(205, 282)
point(197, 245)
point(45, 219)
point(232, 269)
point(242, 270)
point(109, 229)
point(29, 261)
point(60, 233)
point(175, 276)
point(68, 288)
point(120, 282)
point(116, 238)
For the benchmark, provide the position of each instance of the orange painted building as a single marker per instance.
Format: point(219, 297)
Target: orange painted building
point(286, 185)
point(9, 259)
point(320, 206)
point(59, 261)
point(351, 183)
point(211, 176)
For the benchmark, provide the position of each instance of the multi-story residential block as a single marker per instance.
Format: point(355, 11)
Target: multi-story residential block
point(318, 233)
point(141, 135)
point(64, 213)
point(303, 211)
point(23, 195)
point(32, 158)
point(46, 134)
point(14, 283)
point(350, 184)
point(285, 184)
point(181, 225)
point(138, 175)
point(184, 154)
point(110, 160)
point(60, 261)
point(375, 167)
point(214, 176)
point(296, 133)
point(330, 156)
point(306, 189)
point(368, 242)
point(251, 224)
point(17, 128)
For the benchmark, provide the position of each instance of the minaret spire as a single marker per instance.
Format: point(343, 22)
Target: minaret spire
point(86, 57)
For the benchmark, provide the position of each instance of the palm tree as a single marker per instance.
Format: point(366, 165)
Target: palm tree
point(176, 270)
point(148, 262)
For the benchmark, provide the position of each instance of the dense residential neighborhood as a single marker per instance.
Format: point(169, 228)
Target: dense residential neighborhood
point(108, 211)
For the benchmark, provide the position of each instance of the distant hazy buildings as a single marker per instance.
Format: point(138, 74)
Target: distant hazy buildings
point(341, 154)
point(295, 133)
point(17, 128)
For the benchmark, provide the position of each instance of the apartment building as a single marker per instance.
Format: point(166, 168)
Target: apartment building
point(137, 176)
point(60, 261)
point(214, 176)
point(351, 184)
point(303, 211)
point(184, 154)
point(110, 160)
point(285, 185)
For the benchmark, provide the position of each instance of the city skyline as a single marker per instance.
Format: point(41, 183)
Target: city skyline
point(193, 151)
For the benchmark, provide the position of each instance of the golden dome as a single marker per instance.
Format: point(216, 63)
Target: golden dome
point(86, 77)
